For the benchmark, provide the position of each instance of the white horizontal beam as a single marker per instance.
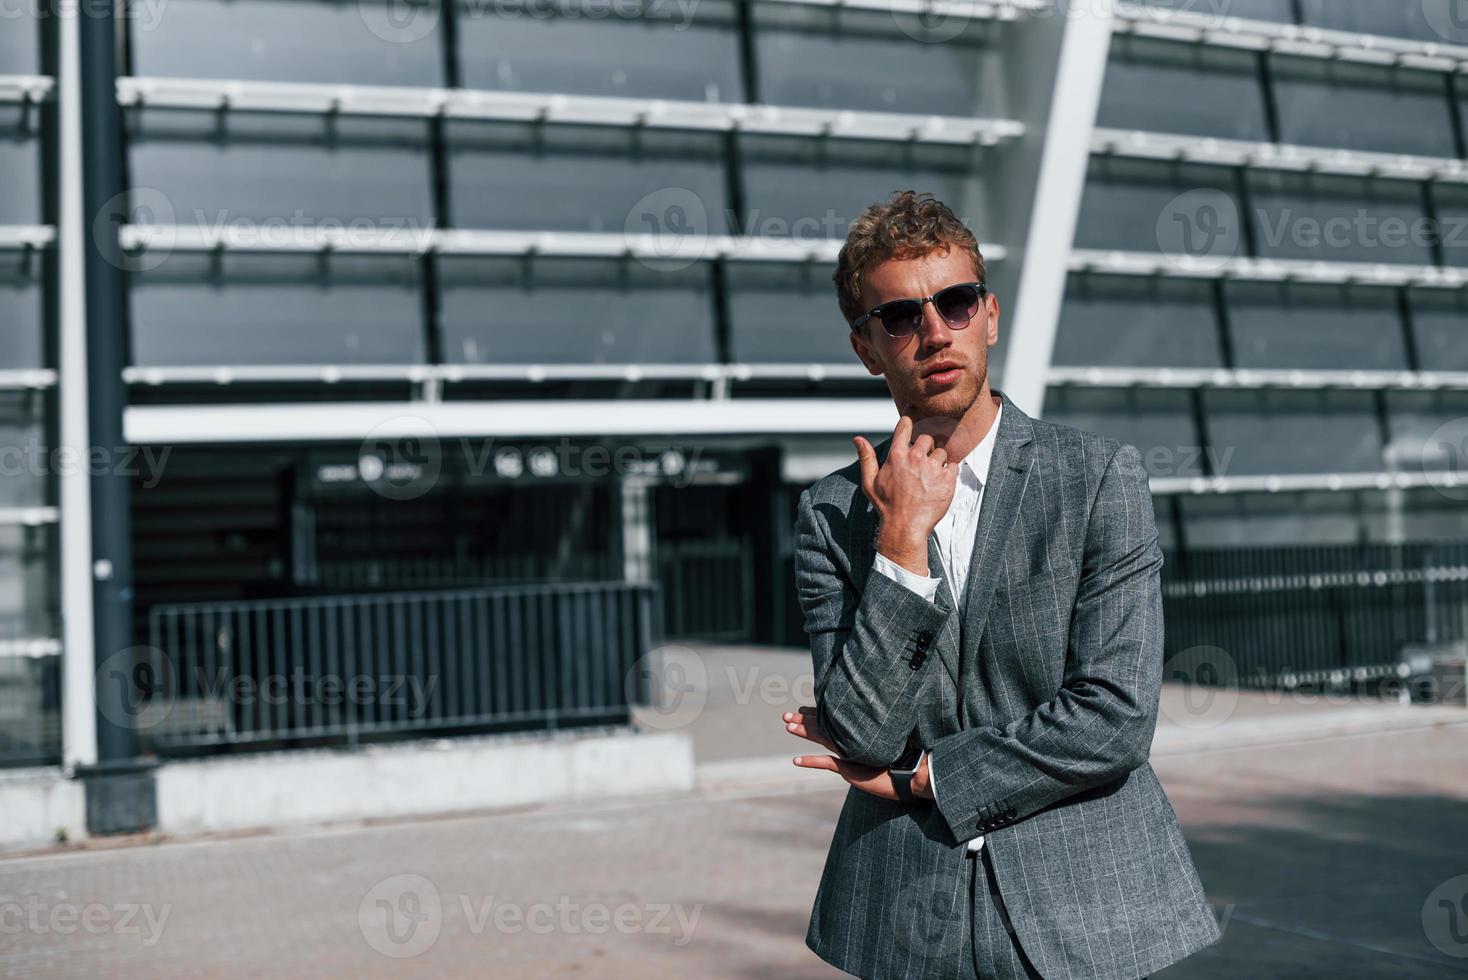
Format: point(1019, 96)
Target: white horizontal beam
point(26, 236)
point(1295, 483)
point(21, 378)
point(1251, 378)
point(245, 373)
point(30, 647)
point(1265, 270)
point(1206, 27)
point(337, 373)
point(1142, 145)
point(354, 421)
point(26, 88)
point(376, 100)
point(976, 9)
point(309, 239)
point(32, 516)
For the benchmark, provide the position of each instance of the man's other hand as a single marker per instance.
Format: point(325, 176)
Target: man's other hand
point(869, 779)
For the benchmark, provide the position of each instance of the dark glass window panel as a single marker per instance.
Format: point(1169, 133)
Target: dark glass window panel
point(285, 170)
point(1165, 87)
point(865, 60)
point(1278, 432)
point(1429, 432)
point(22, 307)
point(1323, 102)
point(1424, 514)
point(20, 41)
point(1283, 325)
point(517, 176)
point(27, 593)
point(372, 42)
point(20, 166)
point(1159, 422)
point(1438, 320)
point(1450, 203)
point(1123, 321)
point(1135, 205)
point(786, 314)
point(26, 464)
point(636, 50)
point(1339, 219)
point(1280, 10)
point(574, 311)
point(264, 309)
point(1255, 520)
point(1409, 18)
point(813, 189)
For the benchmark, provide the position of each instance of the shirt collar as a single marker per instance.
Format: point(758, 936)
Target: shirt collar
point(979, 458)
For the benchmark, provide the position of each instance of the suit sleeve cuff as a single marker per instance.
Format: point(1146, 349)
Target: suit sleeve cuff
point(923, 585)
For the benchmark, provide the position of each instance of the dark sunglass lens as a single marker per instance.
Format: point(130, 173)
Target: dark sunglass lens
point(902, 318)
point(957, 304)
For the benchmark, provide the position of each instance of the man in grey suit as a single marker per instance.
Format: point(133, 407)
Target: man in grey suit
point(982, 596)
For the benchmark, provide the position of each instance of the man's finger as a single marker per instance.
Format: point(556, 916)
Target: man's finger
point(826, 762)
point(867, 456)
point(902, 435)
point(816, 735)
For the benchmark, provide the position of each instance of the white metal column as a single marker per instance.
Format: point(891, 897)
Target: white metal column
point(1065, 154)
point(78, 704)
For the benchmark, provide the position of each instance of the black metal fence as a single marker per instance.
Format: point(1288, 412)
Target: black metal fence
point(339, 669)
point(708, 588)
point(1319, 614)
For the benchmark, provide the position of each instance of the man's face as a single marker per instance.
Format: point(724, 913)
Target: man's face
point(910, 363)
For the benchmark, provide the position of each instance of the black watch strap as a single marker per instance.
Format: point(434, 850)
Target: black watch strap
point(902, 778)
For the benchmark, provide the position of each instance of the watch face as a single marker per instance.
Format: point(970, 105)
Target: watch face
point(908, 761)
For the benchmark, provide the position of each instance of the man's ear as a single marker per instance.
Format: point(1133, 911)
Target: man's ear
point(864, 352)
point(993, 301)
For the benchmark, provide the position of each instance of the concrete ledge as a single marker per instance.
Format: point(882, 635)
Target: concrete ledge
point(38, 802)
point(439, 776)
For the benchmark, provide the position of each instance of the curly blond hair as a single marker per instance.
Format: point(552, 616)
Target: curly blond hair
point(908, 225)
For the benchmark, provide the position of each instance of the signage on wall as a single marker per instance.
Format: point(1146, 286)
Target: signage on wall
point(492, 462)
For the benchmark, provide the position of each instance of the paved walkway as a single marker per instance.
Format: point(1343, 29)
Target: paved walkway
point(1340, 855)
point(739, 738)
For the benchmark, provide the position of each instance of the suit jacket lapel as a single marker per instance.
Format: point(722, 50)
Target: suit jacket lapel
point(1009, 474)
point(947, 642)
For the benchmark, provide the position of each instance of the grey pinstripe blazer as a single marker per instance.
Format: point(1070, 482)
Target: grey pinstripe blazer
point(1038, 712)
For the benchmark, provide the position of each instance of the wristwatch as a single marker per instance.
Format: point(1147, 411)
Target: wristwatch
point(904, 769)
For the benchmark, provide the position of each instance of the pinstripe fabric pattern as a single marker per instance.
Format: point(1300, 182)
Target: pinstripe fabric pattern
point(1038, 713)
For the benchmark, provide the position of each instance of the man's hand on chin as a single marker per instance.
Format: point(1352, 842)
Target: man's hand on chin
point(868, 779)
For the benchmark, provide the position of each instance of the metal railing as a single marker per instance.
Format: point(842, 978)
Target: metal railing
point(708, 588)
point(1322, 614)
point(336, 669)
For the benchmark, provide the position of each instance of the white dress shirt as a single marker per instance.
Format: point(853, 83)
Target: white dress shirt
point(955, 538)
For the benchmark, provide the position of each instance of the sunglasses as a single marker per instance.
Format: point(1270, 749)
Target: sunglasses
point(956, 304)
